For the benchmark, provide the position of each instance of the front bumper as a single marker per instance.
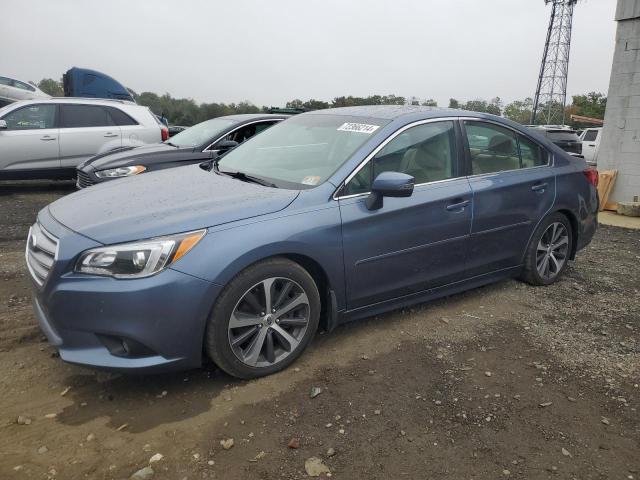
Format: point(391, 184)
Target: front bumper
point(84, 316)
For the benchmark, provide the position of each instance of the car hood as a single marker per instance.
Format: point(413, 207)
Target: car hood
point(165, 202)
point(126, 155)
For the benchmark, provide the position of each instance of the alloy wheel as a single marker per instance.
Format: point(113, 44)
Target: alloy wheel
point(269, 322)
point(552, 251)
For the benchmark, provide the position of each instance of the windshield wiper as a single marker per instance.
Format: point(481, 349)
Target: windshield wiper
point(172, 144)
point(244, 177)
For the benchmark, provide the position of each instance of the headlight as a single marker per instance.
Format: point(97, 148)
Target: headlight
point(137, 259)
point(121, 171)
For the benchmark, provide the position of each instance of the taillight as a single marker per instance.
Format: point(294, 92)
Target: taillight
point(165, 133)
point(592, 176)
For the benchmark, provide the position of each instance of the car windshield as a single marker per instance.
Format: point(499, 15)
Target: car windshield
point(201, 133)
point(303, 151)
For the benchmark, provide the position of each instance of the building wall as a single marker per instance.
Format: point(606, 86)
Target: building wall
point(620, 148)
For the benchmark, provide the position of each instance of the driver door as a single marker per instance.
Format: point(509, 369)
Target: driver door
point(415, 243)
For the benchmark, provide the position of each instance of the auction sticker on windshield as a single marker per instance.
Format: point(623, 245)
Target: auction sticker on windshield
point(358, 127)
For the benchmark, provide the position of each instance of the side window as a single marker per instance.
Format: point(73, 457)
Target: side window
point(5, 81)
point(426, 152)
point(531, 153)
point(590, 136)
point(31, 117)
point(120, 118)
point(23, 86)
point(261, 127)
point(492, 148)
point(85, 116)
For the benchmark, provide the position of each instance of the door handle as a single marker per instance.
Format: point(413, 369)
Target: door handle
point(110, 135)
point(540, 187)
point(47, 138)
point(459, 206)
point(591, 144)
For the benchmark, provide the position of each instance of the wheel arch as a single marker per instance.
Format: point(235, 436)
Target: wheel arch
point(574, 230)
point(328, 287)
point(321, 279)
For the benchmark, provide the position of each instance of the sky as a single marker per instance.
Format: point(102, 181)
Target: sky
point(269, 52)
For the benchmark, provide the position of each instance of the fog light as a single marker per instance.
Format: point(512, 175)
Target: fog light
point(125, 347)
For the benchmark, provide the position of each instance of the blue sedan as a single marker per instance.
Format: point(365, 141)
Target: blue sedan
point(327, 217)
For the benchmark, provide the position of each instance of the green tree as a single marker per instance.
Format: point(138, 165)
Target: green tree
point(477, 105)
point(519, 110)
point(351, 101)
point(430, 103)
point(185, 111)
point(51, 87)
point(495, 106)
point(313, 104)
point(297, 103)
point(592, 104)
point(453, 103)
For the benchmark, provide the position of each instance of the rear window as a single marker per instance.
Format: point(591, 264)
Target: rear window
point(120, 118)
point(563, 136)
point(74, 116)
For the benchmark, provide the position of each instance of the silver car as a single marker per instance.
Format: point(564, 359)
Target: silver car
point(48, 138)
point(12, 90)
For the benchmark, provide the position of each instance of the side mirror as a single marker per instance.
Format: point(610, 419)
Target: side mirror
point(3, 125)
point(225, 145)
point(389, 184)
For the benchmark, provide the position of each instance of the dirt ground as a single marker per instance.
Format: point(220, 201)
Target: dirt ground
point(507, 381)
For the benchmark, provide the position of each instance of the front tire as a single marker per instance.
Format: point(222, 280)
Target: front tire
point(548, 252)
point(264, 319)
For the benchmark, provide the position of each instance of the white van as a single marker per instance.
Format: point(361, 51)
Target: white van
point(591, 144)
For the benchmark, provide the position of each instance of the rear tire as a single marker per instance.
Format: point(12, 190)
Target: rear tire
point(548, 252)
point(263, 319)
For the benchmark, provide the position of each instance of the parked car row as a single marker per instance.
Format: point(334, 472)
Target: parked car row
point(564, 137)
point(193, 145)
point(323, 218)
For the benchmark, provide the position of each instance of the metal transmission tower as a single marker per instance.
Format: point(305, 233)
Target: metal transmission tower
point(551, 93)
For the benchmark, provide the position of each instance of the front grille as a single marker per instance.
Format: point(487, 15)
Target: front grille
point(41, 251)
point(84, 180)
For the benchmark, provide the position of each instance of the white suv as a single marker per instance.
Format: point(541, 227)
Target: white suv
point(49, 138)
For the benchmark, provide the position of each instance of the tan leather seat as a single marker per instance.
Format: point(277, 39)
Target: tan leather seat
point(501, 155)
point(428, 162)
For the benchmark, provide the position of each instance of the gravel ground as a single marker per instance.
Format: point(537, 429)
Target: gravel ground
point(506, 381)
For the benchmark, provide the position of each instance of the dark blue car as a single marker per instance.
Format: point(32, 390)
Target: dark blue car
point(324, 218)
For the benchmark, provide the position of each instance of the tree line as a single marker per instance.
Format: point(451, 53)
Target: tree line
point(185, 111)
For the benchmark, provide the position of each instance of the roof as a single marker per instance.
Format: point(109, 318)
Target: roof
point(243, 117)
point(391, 112)
point(105, 101)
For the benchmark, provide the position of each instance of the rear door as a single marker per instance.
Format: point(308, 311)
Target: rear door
point(30, 140)
point(590, 144)
point(513, 186)
point(129, 127)
point(410, 244)
point(84, 131)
